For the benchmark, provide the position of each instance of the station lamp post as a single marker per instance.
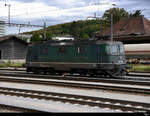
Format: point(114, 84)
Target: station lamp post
point(8, 12)
point(111, 27)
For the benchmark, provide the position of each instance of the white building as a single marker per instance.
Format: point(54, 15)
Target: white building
point(26, 36)
point(63, 38)
point(2, 28)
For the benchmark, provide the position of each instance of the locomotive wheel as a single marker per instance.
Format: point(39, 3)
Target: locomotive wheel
point(36, 72)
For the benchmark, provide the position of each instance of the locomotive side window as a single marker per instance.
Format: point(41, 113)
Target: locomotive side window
point(81, 50)
point(121, 49)
point(107, 49)
point(29, 51)
point(44, 50)
point(0, 54)
point(62, 49)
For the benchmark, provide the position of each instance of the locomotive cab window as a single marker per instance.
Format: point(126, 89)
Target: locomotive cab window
point(121, 49)
point(114, 49)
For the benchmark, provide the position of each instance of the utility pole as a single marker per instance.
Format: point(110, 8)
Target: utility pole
point(98, 17)
point(8, 12)
point(97, 4)
point(44, 30)
point(20, 29)
point(111, 28)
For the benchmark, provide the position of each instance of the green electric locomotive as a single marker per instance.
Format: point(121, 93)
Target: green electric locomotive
point(88, 57)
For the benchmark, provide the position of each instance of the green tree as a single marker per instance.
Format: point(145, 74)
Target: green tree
point(137, 13)
point(74, 30)
point(118, 14)
point(40, 36)
point(36, 37)
point(49, 35)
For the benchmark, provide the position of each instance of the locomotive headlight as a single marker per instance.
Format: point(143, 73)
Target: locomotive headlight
point(94, 65)
point(120, 61)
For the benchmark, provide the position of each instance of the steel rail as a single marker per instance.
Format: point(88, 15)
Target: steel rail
point(137, 75)
point(12, 69)
point(18, 109)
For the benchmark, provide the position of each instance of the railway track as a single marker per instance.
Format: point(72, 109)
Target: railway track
point(82, 84)
point(138, 74)
point(124, 80)
point(131, 76)
point(132, 73)
point(121, 105)
point(14, 69)
point(67, 81)
point(120, 80)
point(15, 109)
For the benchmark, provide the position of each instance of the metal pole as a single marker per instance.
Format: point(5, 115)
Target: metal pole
point(12, 49)
point(111, 35)
point(44, 30)
point(19, 29)
point(9, 13)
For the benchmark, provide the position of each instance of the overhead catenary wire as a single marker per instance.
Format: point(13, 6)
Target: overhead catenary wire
point(46, 12)
point(53, 11)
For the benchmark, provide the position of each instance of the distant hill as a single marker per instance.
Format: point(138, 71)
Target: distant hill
point(76, 29)
point(85, 28)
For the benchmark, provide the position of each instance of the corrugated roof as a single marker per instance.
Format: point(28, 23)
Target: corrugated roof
point(3, 38)
point(130, 26)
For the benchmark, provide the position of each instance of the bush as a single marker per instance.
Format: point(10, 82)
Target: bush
point(10, 64)
point(3, 65)
point(16, 65)
point(140, 67)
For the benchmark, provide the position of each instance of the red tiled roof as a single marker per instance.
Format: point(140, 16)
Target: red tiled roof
point(136, 25)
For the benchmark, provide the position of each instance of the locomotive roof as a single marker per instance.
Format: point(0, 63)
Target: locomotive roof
point(74, 42)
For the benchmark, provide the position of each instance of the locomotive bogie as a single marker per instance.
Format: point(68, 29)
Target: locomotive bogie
point(106, 69)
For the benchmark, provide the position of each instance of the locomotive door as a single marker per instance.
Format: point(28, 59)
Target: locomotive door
point(35, 55)
point(99, 54)
point(0, 54)
point(61, 53)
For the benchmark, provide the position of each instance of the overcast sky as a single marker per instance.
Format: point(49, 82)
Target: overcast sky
point(58, 11)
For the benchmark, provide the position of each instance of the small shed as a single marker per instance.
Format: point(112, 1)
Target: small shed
point(12, 48)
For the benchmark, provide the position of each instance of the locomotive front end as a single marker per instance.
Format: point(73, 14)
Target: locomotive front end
point(116, 57)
